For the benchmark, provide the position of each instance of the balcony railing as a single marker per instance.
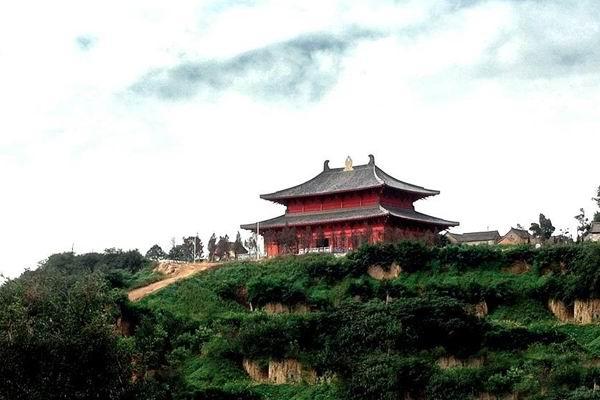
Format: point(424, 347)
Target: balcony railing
point(329, 249)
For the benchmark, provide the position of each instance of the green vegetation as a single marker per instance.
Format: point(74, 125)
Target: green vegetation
point(363, 338)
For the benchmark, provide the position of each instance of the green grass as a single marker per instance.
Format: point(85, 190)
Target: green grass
point(213, 299)
point(144, 277)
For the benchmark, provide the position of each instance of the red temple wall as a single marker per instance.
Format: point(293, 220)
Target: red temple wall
point(350, 200)
point(346, 200)
point(380, 231)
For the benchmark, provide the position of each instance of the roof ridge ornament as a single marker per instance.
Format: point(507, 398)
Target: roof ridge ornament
point(371, 159)
point(326, 165)
point(348, 163)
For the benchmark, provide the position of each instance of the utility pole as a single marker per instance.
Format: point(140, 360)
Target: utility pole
point(257, 247)
point(195, 240)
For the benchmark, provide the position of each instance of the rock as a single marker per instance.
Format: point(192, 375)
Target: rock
point(517, 268)
point(587, 311)
point(279, 308)
point(285, 371)
point(380, 273)
point(583, 311)
point(279, 372)
point(447, 362)
point(560, 310)
point(479, 310)
point(169, 267)
point(123, 327)
point(255, 371)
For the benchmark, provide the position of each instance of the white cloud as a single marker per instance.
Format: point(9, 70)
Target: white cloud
point(494, 103)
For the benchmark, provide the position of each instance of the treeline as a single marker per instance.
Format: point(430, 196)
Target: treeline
point(192, 249)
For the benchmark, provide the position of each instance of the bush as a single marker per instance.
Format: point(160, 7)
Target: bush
point(131, 261)
point(411, 323)
point(503, 338)
point(452, 384)
point(277, 337)
point(213, 393)
point(556, 259)
point(411, 256)
point(383, 376)
point(523, 253)
point(462, 257)
point(276, 288)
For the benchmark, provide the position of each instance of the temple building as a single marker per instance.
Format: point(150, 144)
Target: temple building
point(341, 208)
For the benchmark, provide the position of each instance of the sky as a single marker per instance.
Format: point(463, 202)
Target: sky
point(124, 124)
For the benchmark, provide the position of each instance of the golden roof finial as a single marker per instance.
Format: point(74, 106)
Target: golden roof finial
point(348, 166)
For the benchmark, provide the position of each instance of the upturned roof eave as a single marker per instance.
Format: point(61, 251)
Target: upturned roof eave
point(384, 212)
point(446, 223)
point(252, 227)
point(275, 198)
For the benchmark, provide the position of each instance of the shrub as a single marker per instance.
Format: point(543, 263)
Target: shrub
point(411, 256)
point(464, 257)
point(383, 376)
point(500, 337)
point(524, 253)
point(278, 337)
point(556, 259)
point(326, 266)
point(213, 393)
point(276, 288)
point(452, 384)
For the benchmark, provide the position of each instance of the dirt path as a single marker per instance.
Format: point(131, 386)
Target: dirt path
point(182, 271)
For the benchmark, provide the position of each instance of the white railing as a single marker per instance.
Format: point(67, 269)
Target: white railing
point(316, 250)
point(329, 249)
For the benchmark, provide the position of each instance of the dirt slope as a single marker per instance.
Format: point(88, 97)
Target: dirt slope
point(173, 272)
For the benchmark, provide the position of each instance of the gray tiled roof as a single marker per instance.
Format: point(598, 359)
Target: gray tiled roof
point(412, 215)
point(476, 236)
point(519, 232)
point(337, 180)
point(595, 227)
point(299, 219)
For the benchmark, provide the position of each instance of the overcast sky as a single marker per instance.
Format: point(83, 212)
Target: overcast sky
point(127, 123)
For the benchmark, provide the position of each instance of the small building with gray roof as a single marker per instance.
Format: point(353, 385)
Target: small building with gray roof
point(474, 238)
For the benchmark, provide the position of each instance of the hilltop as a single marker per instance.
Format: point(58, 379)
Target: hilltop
point(393, 320)
point(389, 321)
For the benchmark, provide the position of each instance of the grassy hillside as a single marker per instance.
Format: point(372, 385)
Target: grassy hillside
point(381, 339)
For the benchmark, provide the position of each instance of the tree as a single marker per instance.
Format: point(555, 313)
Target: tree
point(367, 234)
point(251, 244)
point(238, 246)
point(321, 239)
point(344, 240)
point(287, 239)
point(597, 200)
point(306, 238)
point(355, 239)
point(212, 247)
point(223, 248)
point(156, 253)
point(185, 251)
point(583, 226)
point(194, 244)
point(542, 230)
point(57, 338)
